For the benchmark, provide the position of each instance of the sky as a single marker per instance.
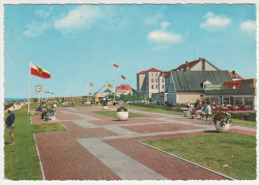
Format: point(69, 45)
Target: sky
point(79, 43)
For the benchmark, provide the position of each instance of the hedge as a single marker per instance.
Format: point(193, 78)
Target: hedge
point(157, 107)
point(242, 116)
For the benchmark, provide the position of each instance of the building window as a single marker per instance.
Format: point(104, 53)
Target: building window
point(152, 86)
point(163, 80)
point(238, 101)
point(156, 87)
point(226, 100)
point(162, 86)
point(156, 74)
point(156, 80)
point(249, 101)
point(152, 80)
point(152, 74)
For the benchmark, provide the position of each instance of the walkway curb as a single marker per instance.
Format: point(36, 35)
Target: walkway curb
point(203, 167)
point(43, 175)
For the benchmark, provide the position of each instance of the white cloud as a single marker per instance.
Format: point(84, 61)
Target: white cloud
point(165, 24)
point(209, 14)
point(248, 26)
point(215, 22)
point(82, 17)
point(42, 13)
point(35, 28)
point(155, 19)
point(160, 36)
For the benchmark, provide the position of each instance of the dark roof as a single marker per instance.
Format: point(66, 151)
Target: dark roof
point(108, 90)
point(192, 80)
point(231, 92)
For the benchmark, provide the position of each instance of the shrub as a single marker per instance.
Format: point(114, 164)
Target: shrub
point(242, 116)
point(122, 109)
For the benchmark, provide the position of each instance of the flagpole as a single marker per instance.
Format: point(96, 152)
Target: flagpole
point(29, 91)
point(87, 92)
point(114, 86)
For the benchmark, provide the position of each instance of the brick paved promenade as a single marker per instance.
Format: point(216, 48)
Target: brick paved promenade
point(97, 147)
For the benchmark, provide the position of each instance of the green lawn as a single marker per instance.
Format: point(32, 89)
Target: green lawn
point(34, 105)
point(48, 128)
point(244, 123)
point(113, 114)
point(238, 151)
point(21, 159)
point(155, 110)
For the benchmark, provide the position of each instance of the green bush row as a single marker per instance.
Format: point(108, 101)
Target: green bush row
point(157, 107)
point(242, 116)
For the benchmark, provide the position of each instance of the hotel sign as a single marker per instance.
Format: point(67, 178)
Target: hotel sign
point(38, 88)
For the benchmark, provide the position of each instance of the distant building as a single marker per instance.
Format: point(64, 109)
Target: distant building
point(123, 89)
point(187, 83)
point(151, 81)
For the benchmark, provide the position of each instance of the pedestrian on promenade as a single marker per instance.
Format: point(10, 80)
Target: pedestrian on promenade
point(209, 113)
point(10, 124)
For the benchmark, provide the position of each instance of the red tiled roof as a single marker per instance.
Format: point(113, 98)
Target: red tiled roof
point(165, 74)
point(189, 64)
point(142, 72)
point(235, 75)
point(123, 87)
point(153, 69)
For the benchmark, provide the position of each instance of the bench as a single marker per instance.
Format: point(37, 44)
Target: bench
point(50, 115)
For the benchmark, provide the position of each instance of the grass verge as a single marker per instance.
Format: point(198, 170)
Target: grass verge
point(155, 110)
point(113, 114)
point(21, 159)
point(238, 151)
point(244, 123)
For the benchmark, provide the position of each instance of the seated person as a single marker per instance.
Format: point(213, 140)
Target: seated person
point(193, 111)
point(204, 111)
point(201, 111)
point(50, 113)
point(45, 112)
point(197, 111)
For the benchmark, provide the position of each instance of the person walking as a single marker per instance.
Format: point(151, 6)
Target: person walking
point(10, 124)
point(209, 113)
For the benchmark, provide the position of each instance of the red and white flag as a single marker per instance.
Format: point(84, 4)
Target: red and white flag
point(114, 64)
point(38, 71)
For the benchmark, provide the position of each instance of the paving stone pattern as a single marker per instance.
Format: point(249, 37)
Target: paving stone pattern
point(97, 147)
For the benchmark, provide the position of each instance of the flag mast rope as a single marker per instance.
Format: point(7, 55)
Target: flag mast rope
point(29, 90)
point(114, 85)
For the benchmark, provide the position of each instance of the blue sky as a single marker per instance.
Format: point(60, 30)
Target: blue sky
point(79, 43)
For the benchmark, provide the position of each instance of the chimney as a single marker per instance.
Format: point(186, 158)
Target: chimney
point(233, 72)
point(187, 63)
